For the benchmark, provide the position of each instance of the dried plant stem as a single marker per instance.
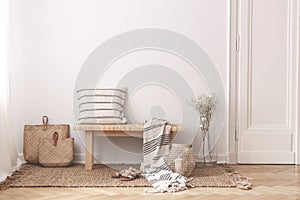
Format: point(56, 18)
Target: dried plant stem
point(208, 146)
point(203, 148)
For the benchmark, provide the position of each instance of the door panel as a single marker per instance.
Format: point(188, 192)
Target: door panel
point(266, 108)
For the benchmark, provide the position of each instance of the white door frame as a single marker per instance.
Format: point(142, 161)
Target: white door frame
point(298, 91)
point(233, 80)
point(297, 160)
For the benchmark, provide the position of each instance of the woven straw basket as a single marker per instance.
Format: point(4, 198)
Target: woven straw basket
point(181, 159)
point(56, 153)
point(34, 133)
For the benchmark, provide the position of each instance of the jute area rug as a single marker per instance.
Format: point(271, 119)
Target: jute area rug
point(75, 176)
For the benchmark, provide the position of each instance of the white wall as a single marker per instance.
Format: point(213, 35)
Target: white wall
point(51, 39)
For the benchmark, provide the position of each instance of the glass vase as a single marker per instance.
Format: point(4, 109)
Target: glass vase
point(208, 152)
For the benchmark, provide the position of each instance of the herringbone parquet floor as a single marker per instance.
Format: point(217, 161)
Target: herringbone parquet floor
point(270, 182)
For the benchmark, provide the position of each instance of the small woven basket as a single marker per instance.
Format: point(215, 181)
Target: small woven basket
point(56, 153)
point(181, 159)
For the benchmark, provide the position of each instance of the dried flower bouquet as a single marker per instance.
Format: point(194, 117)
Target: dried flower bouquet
point(205, 106)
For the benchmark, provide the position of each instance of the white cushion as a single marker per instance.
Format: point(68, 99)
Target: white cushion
point(101, 106)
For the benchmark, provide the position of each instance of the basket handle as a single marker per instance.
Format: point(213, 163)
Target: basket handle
point(45, 122)
point(54, 138)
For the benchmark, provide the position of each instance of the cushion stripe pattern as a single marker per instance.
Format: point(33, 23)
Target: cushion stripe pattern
point(101, 106)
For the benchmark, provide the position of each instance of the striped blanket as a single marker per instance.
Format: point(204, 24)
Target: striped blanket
point(156, 145)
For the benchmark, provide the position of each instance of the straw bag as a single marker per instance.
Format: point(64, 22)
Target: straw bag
point(181, 159)
point(33, 134)
point(54, 152)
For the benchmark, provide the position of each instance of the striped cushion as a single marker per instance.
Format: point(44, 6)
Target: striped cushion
point(101, 106)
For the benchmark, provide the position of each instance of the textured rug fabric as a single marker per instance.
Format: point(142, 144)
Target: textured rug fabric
point(75, 176)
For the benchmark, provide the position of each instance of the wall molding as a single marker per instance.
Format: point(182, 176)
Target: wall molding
point(267, 157)
point(289, 74)
point(269, 128)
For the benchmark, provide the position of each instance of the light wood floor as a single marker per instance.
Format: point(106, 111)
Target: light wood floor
point(269, 181)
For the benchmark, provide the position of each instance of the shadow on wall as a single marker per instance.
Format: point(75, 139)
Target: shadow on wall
point(162, 70)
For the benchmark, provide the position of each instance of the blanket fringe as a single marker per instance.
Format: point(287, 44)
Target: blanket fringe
point(174, 187)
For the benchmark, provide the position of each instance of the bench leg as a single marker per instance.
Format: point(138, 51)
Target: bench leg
point(89, 150)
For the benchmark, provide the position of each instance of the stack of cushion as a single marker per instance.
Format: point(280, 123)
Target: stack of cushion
point(101, 106)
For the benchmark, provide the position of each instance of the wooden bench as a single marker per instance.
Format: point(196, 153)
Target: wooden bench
point(124, 130)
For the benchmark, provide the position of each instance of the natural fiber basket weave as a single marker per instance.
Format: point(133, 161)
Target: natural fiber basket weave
point(56, 153)
point(33, 135)
point(181, 159)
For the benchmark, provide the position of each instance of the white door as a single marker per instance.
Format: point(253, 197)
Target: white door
point(267, 81)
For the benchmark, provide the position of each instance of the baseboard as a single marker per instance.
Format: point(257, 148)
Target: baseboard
point(111, 158)
point(105, 158)
point(231, 158)
point(121, 158)
point(21, 157)
point(222, 158)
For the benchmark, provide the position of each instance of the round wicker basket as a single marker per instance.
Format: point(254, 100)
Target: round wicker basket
point(181, 159)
